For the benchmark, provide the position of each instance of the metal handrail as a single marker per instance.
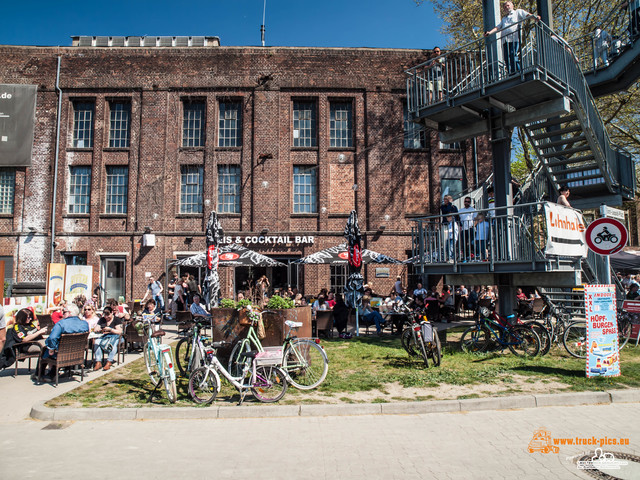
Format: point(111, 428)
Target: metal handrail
point(617, 25)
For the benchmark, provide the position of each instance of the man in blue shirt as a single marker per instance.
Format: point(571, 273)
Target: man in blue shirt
point(70, 323)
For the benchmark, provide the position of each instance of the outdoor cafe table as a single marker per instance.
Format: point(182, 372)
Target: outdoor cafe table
point(395, 318)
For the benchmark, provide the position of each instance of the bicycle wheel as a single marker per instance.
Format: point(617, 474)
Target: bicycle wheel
point(543, 336)
point(523, 341)
point(183, 354)
point(151, 363)
point(423, 351)
point(409, 342)
point(305, 363)
point(203, 385)
point(270, 384)
point(475, 339)
point(170, 387)
point(236, 363)
point(624, 333)
point(575, 339)
point(435, 349)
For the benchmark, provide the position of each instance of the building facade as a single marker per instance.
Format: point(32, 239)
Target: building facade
point(282, 142)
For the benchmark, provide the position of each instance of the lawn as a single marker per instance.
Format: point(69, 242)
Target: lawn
point(377, 369)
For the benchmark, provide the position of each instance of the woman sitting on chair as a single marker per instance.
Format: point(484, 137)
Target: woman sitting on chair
point(27, 329)
point(110, 327)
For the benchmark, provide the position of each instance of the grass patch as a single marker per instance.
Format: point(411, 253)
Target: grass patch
point(372, 366)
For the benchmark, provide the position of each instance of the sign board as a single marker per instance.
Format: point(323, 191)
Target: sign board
point(78, 281)
point(606, 236)
point(13, 305)
point(631, 306)
point(55, 283)
point(603, 358)
point(17, 121)
point(382, 272)
point(565, 231)
point(611, 212)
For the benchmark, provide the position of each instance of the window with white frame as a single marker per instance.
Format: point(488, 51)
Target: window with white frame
point(338, 278)
point(341, 125)
point(7, 190)
point(83, 124)
point(193, 124)
point(79, 189)
point(451, 146)
point(191, 177)
point(230, 125)
point(304, 124)
point(305, 189)
point(228, 188)
point(415, 135)
point(117, 189)
point(119, 122)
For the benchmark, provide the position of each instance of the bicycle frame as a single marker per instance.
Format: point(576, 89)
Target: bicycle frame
point(487, 322)
point(162, 354)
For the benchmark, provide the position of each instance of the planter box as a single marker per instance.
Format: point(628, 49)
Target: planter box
point(226, 326)
point(276, 329)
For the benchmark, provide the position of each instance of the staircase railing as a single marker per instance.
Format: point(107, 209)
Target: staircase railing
point(594, 50)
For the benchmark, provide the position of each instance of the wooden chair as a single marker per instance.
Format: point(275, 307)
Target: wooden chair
point(21, 353)
point(71, 351)
point(539, 307)
point(184, 319)
point(324, 322)
point(132, 336)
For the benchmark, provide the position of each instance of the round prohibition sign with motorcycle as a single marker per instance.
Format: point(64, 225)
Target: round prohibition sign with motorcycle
point(606, 236)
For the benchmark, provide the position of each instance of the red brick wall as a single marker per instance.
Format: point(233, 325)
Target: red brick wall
point(391, 181)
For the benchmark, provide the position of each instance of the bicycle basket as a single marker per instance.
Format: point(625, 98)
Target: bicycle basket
point(485, 312)
point(262, 334)
point(269, 357)
point(427, 331)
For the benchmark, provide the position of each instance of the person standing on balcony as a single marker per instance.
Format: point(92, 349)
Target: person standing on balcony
point(601, 41)
point(434, 76)
point(563, 198)
point(511, 35)
point(467, 217)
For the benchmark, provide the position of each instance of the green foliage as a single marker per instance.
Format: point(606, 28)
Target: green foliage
point(279, 303)
point(6, 288)
point(245, 302)
point(227, 303)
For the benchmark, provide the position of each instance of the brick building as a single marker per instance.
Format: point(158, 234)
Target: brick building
point(282, 142)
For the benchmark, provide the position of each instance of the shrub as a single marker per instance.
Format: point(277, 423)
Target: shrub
point(227, 303)
point(278, 303)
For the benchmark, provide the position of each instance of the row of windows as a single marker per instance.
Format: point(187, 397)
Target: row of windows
point(191, 189)
point(230, 125)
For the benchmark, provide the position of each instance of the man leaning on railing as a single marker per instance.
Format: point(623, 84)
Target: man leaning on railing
point(510, 35)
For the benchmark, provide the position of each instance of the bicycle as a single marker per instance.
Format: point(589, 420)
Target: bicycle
point(304, 361)
point(543, 334)
point(572, 334)
point(260, 373)
point(419, 337)
point(158, 358)
point(520, 339)
point(190, 350)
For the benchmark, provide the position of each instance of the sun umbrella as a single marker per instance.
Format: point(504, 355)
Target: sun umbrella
point(354, 289)
point(211, 287)
point(233, 255)
point(339, 254)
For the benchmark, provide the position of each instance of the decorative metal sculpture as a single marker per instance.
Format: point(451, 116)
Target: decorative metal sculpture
point(354, 289)
point(211, 286)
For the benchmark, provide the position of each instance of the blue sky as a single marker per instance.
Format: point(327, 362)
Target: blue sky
point(328, 23)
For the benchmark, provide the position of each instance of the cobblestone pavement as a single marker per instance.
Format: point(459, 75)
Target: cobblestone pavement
point(467, 445)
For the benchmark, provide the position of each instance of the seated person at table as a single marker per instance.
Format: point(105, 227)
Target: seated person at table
point(331, 300)
point(319, 304)
point(70, 323)
point(90, 316)
point(27, 329)
point(341, 317)
point(197, 310)
point(149, 307)
point(119, 310)
point(369, 315)
point(110, 327)
point(56, 312)
point(299, 301)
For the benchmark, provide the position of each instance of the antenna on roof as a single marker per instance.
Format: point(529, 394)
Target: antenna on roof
point(264, 10)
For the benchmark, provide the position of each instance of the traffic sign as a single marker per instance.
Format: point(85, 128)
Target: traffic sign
point(606, 236)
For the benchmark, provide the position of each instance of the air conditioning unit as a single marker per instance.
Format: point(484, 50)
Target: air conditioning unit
point(148, 240)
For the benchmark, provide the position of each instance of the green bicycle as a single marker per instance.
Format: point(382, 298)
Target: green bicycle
point(304, 361)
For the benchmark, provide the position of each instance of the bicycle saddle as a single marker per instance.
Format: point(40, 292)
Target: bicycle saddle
point(292, 324)
point(251, 354)
point(159, 333)
point(220, 344)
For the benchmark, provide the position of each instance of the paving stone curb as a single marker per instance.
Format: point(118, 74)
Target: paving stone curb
point(44, 413)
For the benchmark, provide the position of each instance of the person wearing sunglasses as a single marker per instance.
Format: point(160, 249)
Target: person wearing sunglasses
point(90, 316)
point(110, 327)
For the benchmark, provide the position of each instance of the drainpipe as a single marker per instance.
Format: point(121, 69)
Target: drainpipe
point(474, 154)
point(55, 164)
